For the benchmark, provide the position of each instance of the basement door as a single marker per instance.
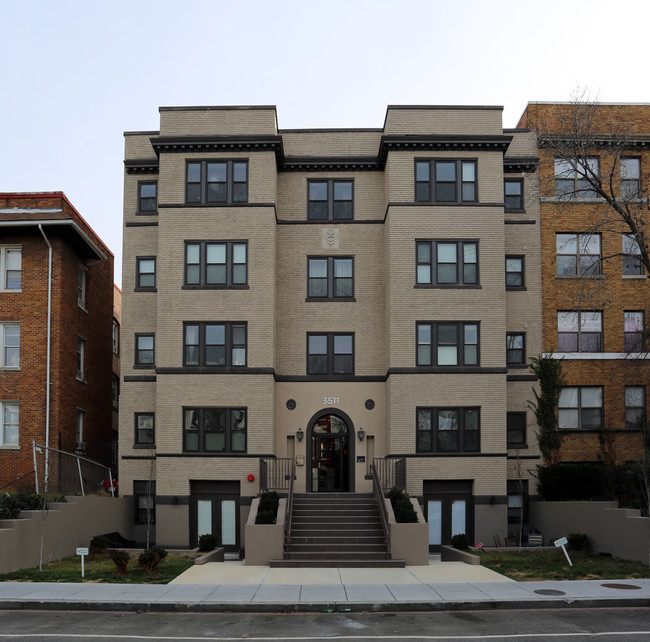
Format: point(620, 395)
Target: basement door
point(450, 511)
point(214, 508)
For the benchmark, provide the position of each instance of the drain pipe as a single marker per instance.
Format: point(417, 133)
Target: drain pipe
point(49, 350)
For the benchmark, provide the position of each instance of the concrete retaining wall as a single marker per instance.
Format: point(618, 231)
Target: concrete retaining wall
point(409, 542)
point(68, 526)
point(264, 542)
point(621, 532)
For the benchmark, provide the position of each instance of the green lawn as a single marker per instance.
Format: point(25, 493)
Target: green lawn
point(534, 565)
point(99, 568)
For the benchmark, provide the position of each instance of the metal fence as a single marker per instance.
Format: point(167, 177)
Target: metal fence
point(275, 474)
point(391, 473)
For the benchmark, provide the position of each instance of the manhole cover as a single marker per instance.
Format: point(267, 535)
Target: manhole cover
point(625, 587)
point(549, 592)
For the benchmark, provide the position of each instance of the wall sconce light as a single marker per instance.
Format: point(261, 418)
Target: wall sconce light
point(361, 434)
point(300, 434)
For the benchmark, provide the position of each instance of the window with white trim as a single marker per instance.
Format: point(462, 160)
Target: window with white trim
point(82, 277)
point(579, 331)
point(634, 331)
point(631, 256)
point(81, 358)
point(10, 341)
point(79, 430)
point(11, 258)
point(578, 254)
point(574, 178)
point(116, 338)
point(634, 407)
point(9, 426)
point(630, 178)
point(580, 408)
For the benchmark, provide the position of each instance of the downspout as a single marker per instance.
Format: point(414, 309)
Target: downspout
point(49, 350)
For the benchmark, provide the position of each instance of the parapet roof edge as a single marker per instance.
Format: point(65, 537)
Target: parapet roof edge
point(218, 108)
point(596, 102)
point(143, 133)
point(316, 130)
point(476, 107)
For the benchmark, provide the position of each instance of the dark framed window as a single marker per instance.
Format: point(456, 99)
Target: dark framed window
point(517, 501)
point(115, 391)
point(634, 339)
point(572, 178)
point(448, 430)
point(214, 344)
point(516, 429)
point(330, 200)
point(215, 182)
point(631, 256)
point(145, 272)
point(446, 343)
point(516, 348)
point(147, 197)
point(330, 354)
point(145, 429)
point(515, 273)
point(446, 263)
point(330, 277)
point(578, 254)
point(630, 178)
point(445, 181)
point(215, 430)
point(81, 358)
point(580, 408)
point(145, 350)
point(513, 192)
point(144, 495)
point(579, 331)
point(115, 338)
point(635, 416)
point(216, 264)
point(82, 277)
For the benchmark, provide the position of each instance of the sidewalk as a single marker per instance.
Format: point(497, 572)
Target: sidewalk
point(232, 586)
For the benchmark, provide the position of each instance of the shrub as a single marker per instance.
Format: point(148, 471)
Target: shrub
point(150, 558)
point(269, 501)
point(121, 561)
point(207, 542)
point(98, 545)
point(564, 482)
point(578, 541)
point(265, 517)
point(460, 542)
point(11, 505)
point(402, 507)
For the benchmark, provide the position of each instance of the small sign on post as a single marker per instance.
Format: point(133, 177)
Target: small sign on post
point(83, 552)
point(563, 542)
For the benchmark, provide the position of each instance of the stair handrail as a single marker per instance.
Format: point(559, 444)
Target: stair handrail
point(289, 509)
point(379, 497)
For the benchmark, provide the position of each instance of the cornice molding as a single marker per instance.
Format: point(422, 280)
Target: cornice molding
point(141, 166)
point(238, 143)
point(520, 163)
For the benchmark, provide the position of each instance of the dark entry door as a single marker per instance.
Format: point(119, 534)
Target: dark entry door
point(330, 455)
point(214, 508)
point(450, 511)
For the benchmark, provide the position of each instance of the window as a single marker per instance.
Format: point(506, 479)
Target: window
point(217, 430)
point(635, 407)
point(515, 273)
point(79, 431)
point(447, 430)
point(517, 501)
point(513, 189)
point(81, 357)
point(115, 390)
point(116, 338)
point(634, 331)
point(446, 263)
point(631, 256)
point(217, 182)
point(145, 425)
point(215, 344)
point(516, 429)
point(579, 331)
point(147, 197)
point(330, 354)
point(447, 344)
point(10, 339)
point(581, 408)
point(82, 274)
point(572, 178)
point(216, 264)
point(515, 348)
point(10, 267)
point(330, 278)
point(630, 178)
point(578, 254)
point(145, 277)
point(145, 350)
point(9, 426)
point(445, 181)
point(144, 494)
point(330, 200)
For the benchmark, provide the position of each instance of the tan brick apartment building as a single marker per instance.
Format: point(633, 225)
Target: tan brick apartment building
point(328, 297)
point(81, 300)
point(595, 291)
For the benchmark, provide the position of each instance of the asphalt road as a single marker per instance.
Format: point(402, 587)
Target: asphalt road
point(576, 625)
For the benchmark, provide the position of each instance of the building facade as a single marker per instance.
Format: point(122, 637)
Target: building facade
point(595, 292)
point(44, 239)
point(329, 298)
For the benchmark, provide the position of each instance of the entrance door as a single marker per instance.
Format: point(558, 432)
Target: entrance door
point(330, 454)
point(214, 508)
point(450, 511)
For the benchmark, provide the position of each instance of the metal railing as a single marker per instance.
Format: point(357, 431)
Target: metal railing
point(289, 510)
point(391, 473)
point(276, 473)
point(379, 497)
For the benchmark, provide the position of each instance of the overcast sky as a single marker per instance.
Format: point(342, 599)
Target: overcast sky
point(74, 75)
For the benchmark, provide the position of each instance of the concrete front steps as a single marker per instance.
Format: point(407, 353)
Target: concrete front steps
point(336, 530)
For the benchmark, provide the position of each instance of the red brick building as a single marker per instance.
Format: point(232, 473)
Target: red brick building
point(41, 234)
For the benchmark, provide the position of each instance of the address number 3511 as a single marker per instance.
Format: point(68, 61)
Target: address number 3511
point(330, 401)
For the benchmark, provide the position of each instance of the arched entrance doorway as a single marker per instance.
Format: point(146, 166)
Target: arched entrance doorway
point(331, 438)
